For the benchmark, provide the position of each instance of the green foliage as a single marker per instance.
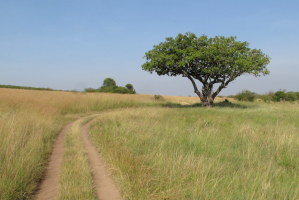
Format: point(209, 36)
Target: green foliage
point(109, 86)
point(130, 87)
point(246, 95)
point(279, 96)
point(89, 90)
point(291, 96)
point(24, 87)
point(123, 90)
point(268, 97)
point(109, 82)
point(285, 96)
point(217, 60)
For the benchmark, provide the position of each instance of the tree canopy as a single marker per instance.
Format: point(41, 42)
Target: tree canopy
point(130, 87)
point(210, 61)
point(109, 82)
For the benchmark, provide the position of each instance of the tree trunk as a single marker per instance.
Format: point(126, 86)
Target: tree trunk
point(207, 99)
point(207, 102)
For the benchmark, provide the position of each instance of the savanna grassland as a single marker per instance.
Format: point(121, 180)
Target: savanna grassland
point(154, 149)
point(29, 123)
point(197, 153)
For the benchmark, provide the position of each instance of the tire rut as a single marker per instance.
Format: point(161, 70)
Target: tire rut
point(104, 184)
point(49, 186)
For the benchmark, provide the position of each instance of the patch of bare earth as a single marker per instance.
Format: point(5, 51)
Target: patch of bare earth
point(104, 185)
point(48, 189)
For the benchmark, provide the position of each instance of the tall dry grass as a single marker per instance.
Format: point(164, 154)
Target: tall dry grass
point(197, 153)
point(29, 123)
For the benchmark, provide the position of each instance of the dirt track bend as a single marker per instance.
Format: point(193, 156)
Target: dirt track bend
point(104, 185)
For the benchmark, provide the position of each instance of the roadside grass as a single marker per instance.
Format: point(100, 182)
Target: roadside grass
point(29, 123)
point(26, 139)
point(198, 153)
point(75, 178)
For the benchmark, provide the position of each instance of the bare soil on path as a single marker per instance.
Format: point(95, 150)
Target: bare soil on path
point(104, 185)
point(48, 189)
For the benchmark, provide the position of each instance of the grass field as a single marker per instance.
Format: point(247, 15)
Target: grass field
point(154, 149)
point(198, 153)
point(29, 123)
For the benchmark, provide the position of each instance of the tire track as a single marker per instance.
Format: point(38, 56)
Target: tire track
point(104, 184)
point(48, 188)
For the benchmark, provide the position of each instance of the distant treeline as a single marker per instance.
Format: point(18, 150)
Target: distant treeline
point(24, 87)
point(247, 95)
point(109, 86)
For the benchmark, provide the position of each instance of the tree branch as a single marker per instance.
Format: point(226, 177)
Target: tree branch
point(196, 91)
point(223, 85)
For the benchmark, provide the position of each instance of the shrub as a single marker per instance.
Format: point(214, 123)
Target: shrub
point(90, 90)
point(109, 86)
point(122, 90)
point(291, 96)
point(158, 97)
point(279, 96)
point(130, 87)
point(268, 97)
point(109, 82)
point(246, 95)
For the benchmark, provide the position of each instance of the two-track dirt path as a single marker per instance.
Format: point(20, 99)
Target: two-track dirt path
point(103, 183)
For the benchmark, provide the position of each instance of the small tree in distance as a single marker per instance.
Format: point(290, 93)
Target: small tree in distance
point(211, 61)
point(109, 82)
point(130, 87)
point(110, 86)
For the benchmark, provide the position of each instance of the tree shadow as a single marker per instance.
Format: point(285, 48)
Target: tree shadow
point(223, 104)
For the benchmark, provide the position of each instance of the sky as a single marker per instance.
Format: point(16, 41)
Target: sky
point(75, 44)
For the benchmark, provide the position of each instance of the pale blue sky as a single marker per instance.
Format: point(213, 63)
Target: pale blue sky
point(74, 44)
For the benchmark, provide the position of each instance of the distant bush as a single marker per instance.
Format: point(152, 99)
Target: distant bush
point(109, 82)
point(291, 96)
point(246, 95)
point(24, 87)
point(279, 96)
point(158, 97)
point(268, 97)
point(285, 96)
point(123, 90)
point(130, 87)
point(90, 90)
point(109, 86)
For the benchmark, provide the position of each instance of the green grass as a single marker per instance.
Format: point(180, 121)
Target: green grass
point(198, 153)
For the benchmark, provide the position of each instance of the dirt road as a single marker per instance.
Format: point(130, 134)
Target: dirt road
point(103, 183)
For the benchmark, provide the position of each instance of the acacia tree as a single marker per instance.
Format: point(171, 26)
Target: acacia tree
point(211, 61)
